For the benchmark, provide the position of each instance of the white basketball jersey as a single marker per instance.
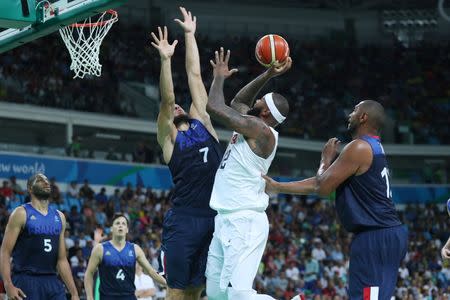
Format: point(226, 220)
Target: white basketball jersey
point(238, 184)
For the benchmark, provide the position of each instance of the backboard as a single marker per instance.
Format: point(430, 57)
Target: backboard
point(33, 19)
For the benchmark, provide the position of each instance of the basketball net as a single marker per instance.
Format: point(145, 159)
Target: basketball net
point(83, 41)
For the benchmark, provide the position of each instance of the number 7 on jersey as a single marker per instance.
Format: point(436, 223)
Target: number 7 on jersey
point(205, 153)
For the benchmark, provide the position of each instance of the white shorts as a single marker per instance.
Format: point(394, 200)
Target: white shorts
point(236, 249)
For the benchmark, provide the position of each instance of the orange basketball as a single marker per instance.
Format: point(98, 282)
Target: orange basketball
point(271, 48)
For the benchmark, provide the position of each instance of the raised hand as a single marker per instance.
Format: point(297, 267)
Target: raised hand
point(165, 49)
point(330, 150)
point(189, 24)
point(220, 66)
point(280, 68)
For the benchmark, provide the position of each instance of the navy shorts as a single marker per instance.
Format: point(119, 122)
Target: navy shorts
point(40, 287)
point(375, 258)
point(184, 250)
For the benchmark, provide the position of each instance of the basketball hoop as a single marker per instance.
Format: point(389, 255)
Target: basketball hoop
point(83, 41)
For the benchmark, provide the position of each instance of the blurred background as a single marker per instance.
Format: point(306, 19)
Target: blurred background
point(96, 133)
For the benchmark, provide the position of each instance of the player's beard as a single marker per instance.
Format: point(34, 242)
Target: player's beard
point(41, 193)
point(180, 119)
point(254, 111)
point(352, 128)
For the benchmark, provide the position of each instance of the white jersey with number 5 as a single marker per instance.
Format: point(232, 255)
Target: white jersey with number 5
point(238, 184)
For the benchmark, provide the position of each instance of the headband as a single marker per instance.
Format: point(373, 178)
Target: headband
point(273, 109)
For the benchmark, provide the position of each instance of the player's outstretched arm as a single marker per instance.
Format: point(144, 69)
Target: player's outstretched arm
point(94, 261)
point(196, 87)
point(445, 253)
point(246, 96)
point(356, 156)
point(302, 187)
point(15, 225)
point(249, 126)
point(63, 265)
point(148, 269)
point(166, 130)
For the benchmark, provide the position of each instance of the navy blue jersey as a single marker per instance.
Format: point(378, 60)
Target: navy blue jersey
point(37, 247)
point(195, 159)
point(364, 202)
point(117, 270)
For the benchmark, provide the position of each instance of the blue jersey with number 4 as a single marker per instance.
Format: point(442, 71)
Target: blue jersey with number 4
point(37, 247)
point(195, 159)
point(117, 270)
point(364, 202)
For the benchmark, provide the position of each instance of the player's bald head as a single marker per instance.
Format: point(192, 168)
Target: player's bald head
point(375, 113)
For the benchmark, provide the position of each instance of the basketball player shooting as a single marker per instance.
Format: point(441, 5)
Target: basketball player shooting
point(363, 202)
point(241, 226)
point(192, 151)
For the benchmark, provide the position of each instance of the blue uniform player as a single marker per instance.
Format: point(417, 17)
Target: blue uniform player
point(116, 262)
point(34, 238)
point(191, 149)
point(360, 177)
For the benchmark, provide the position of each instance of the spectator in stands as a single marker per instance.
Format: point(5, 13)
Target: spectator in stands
point(101, 197)
point(311, 271)
point(100, 216)
point(75, 220)
point(68, 240)
point(77, 259)
point(72, 190)
point(17, 189)
point(128, 193)
point(293, 272)
point(86, 192)
point(142, 154)
point(111, 155)
point(74, 148)
point(115, 198)
point(145, 287)
point(318, 253)
point(6, 191)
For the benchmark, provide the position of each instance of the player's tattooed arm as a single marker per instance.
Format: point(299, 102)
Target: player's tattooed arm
point(246, 96)
point(249, 126)
point(63, 265)
point(147, 267)
point(15, 225)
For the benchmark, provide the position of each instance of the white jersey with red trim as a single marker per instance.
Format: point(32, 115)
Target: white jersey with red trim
point(238, 184)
